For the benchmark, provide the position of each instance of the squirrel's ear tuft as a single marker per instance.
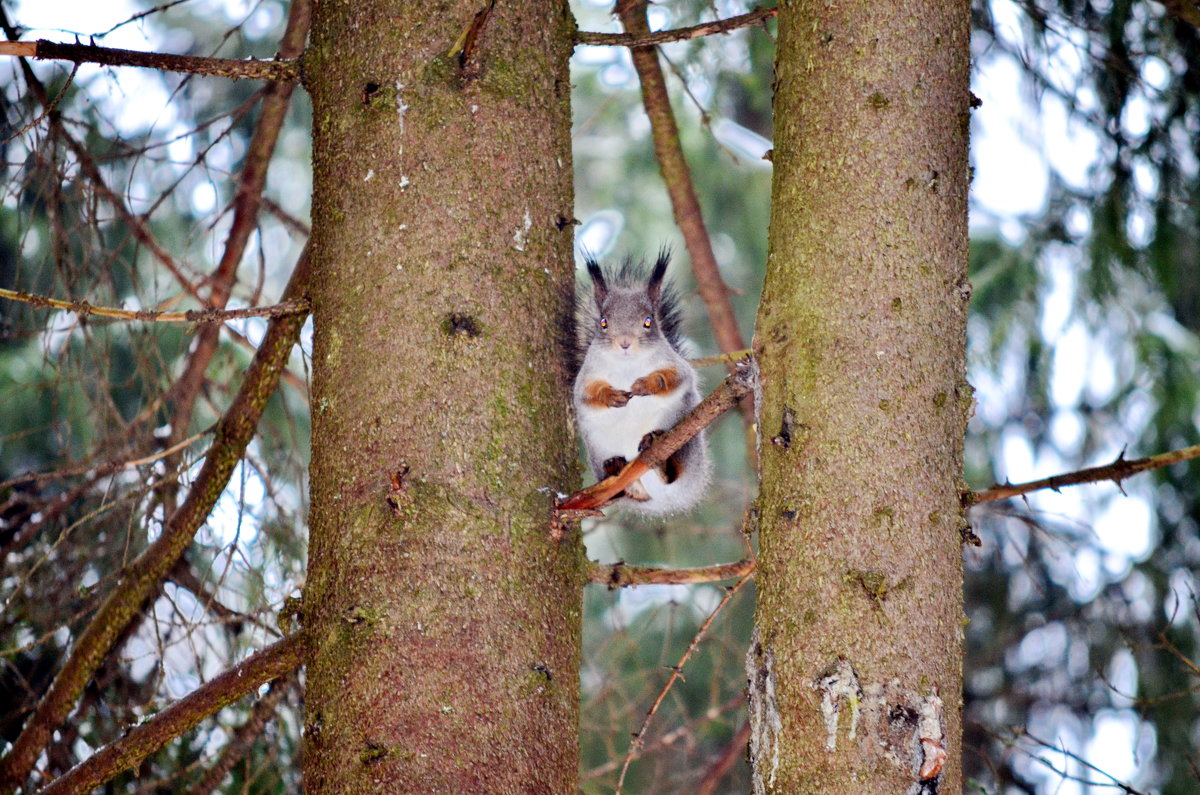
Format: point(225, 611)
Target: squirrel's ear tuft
point(654, 286)
point(601, 288)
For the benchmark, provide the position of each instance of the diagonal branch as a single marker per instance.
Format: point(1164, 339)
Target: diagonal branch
point(688, 215)
point(244, 737)
point(757, 16)
point(723, 398)
point(1116, 472)
point(286, 70)
point(275, 661)
point(142, 578)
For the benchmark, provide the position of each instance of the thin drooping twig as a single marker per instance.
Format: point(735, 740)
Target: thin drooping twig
point(723, 398)
point(47, 108)
point(622, 575)
point(286, 70)
point(1117, 471)
point(142, 578)
point(277, 660)
point(1112, 783)
point(153, 316)
point(244, 737)
point(676, 671)
point(183, 576)
point(677, 176)
point(755, 17)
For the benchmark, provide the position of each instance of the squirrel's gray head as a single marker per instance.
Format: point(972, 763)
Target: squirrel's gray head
point(628, 310)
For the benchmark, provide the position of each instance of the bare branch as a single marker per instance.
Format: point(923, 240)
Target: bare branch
point(276, 660)
point(298, 307)
point(142, 578)
point(138, 225)
point(635, 745)
point(621, 575)
point(245, 735)
point(1117, 471)
point(717, 403)
point(757, 16)
point(106, 468)
point(287, 71)
point(722, 358)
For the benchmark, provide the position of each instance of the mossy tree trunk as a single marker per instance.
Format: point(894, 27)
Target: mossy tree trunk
point(445, 617)
point(861, 342)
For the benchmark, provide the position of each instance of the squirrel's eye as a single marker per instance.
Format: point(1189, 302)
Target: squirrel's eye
point(603, 322)
point(649, 321)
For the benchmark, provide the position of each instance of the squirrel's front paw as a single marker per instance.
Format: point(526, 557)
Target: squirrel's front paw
point(618, 398)
point(641, 387)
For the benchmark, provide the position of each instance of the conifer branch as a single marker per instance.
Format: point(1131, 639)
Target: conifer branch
point(297, 307)
point(287, 71)
point(142, 578)
point(1117, 471)
point(275, 661)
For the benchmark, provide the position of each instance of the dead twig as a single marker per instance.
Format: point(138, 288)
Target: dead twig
point(296, 307)
point(622, 575)
point(635, 745)
point(755, 17)
point(287, 71)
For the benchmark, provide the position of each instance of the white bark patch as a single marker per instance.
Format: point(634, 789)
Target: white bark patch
point(838, 686)
point(765, 724)
point(521, 236)
point(401, 110)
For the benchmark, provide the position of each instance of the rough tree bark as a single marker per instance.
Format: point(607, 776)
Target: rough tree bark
point(861, 342)
point(445, 617)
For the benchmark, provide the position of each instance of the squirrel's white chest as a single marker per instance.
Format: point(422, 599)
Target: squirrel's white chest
point(618, 431)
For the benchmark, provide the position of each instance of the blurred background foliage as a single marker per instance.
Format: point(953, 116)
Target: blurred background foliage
point(1082, 641)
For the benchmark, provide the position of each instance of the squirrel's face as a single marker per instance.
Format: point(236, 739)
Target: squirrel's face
point(628, 324)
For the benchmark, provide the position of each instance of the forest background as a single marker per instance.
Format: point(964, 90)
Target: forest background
point(1082, 345)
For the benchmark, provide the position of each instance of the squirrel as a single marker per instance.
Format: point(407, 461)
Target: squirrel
point(634, 384)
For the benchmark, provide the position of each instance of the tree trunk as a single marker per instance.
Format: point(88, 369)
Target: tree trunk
point(861, 342)
point(444, 614)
